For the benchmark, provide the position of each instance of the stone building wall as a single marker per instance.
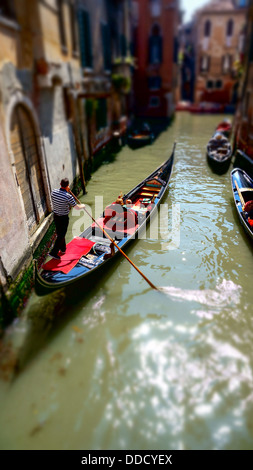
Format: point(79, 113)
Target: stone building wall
point(37, 143)
point(155, 79)
point(218, 47)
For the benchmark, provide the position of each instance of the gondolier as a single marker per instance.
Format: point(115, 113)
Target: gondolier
point(62, 202)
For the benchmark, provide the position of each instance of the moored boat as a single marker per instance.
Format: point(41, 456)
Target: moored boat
point(183, 106)
point(91, 253)
point(219, 153)
point(206, 108)
point(242, 187)
point(225, 127)
point(140, 138)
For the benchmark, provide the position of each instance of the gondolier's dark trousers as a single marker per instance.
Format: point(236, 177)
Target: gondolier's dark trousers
point(61, 225)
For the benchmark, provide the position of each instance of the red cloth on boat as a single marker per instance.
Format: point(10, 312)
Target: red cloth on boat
point(117, 218)
point(112, 224)
point(77, 248)
point(250, 222)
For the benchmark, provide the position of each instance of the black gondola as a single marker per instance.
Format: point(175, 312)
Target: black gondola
point(141, 138)
point(122, 223)
point(219, 157)
point(225, 127)
point(242, 187)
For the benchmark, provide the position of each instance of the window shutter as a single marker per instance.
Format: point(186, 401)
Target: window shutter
point(123, 45)
point(85, 38)
point(175, 51)
point(88, 40)
point(160, 42)
point(105, 36)
point(81, 37)
point(150, 50)
point(251, 47)
point(155, 49)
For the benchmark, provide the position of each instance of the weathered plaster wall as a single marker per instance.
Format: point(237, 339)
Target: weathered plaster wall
point(216, 47)
point(13, 230)
point(57, 136)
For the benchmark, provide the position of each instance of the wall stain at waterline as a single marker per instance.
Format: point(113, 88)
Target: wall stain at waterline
point(14, 300)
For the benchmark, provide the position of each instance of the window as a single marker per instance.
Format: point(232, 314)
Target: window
point(85, 39)
point(154, 83)
point(155, 7)
point(207, 29)
point(7, 9)
point(241, 43)
point(106, 46)
point(209, 84)
point(67, 104)
point(74, 39)
point(229, 32)
point(25, 149)
point(101, 114)
point(230, 28)
point(62, 26)
point(205, 63)
point(218, 84)
point(251, 47)
point(154, 102)
point(175, 50)
point(123, 45)
point(155, 46)
point(227, 61)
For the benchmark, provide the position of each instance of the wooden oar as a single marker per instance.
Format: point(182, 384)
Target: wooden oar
point(240, 195)
point(115, 244)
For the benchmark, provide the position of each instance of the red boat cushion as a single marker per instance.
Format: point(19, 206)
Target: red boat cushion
point(129, 226)
point(117, 218)
point(248, 206)
point(77, 248)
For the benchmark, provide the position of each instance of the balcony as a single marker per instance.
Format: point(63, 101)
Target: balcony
point(122, 74)
point(123, 66)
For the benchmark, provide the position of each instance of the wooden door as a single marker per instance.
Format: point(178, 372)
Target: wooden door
point(28, 168)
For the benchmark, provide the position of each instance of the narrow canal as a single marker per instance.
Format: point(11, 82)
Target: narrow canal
point(126, 367)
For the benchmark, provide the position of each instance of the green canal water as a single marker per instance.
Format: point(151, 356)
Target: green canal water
point(127, 367)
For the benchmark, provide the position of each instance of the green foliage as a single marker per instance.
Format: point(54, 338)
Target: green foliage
point(121, 83)
point(125, 60)
point(90, 107)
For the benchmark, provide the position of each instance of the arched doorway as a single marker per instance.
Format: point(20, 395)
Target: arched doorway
point(24, 146)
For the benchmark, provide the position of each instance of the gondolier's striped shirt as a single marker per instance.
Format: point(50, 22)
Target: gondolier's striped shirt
point(62, 201)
